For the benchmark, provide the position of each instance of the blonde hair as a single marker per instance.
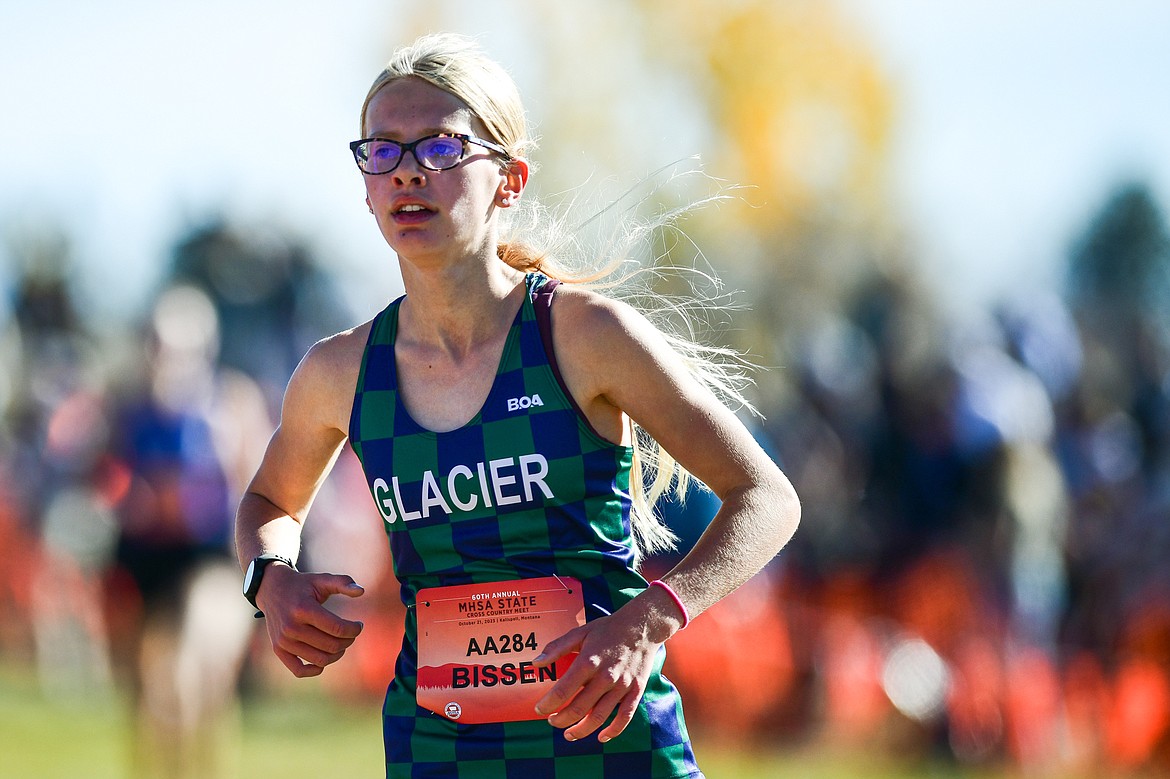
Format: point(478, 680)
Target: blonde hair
point(620, 253)
point(456, 64)
point(615, 252)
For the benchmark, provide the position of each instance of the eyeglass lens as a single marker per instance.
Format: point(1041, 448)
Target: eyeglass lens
point(432, 153)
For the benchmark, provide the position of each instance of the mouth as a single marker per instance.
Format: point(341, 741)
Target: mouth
point(411, 213)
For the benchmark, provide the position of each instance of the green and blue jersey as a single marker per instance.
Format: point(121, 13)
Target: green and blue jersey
point(525, 489)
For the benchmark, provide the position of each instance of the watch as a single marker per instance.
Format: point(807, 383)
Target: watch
point(255, 574)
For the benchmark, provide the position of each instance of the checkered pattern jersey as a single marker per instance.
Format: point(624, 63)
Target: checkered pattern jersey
point(459, 510)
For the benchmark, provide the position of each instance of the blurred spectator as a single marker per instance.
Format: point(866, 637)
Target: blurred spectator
point(181, 629)
point(57, 432)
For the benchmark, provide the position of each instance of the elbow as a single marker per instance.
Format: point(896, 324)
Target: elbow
point(786, 509)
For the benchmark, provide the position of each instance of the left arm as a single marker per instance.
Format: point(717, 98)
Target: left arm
point(758, 516)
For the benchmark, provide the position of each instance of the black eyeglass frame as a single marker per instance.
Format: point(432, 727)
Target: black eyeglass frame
point(354, 146)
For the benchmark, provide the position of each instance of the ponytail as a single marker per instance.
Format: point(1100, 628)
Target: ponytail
point(629, 268)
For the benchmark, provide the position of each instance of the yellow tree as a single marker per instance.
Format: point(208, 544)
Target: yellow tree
point(796, 101)
point(799, 110)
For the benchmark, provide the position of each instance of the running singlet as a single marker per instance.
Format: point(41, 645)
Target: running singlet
point(524, 490)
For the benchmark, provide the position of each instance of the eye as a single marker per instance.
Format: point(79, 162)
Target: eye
point(445, 149)
point(446, 146)
point(383, 151)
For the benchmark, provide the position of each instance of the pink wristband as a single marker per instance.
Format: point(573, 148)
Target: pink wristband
point(686, 617)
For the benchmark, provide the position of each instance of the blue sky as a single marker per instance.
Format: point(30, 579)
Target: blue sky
point(1014, 121)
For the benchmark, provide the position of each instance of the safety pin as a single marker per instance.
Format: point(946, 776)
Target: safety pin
point(569, 589)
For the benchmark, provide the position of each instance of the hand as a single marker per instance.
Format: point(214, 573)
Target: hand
point(305, 635)
point(616, 657)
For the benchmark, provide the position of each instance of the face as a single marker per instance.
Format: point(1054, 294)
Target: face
point(432, 216)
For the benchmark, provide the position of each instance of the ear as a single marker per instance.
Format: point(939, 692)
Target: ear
point(515, 178)
point(369, 205)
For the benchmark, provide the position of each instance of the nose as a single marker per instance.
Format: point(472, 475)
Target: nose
point(409, 171)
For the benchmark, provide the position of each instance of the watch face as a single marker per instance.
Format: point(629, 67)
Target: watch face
point(249, 576)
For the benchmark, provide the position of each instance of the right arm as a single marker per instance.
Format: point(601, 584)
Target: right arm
point(314, 420)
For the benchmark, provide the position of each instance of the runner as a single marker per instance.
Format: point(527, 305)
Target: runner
point(497, 409)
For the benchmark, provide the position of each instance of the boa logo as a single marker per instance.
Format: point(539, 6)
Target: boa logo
point(515, 404)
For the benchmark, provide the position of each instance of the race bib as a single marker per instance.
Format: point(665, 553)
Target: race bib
point(476, 643)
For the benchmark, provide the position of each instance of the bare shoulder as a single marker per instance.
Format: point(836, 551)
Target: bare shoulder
point(613, 360)
point(590, 322)
point(323, 383)
point(339, 356)
point(601, 332)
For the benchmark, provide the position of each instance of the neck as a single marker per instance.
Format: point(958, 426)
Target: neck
point(457, 307)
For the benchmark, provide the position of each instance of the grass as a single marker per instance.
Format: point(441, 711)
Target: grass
point(304, 733)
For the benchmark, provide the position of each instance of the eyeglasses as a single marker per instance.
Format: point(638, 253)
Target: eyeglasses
point(441, 151)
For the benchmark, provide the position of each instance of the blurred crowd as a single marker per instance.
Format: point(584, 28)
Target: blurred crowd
point(979, 575)
point(980, 570)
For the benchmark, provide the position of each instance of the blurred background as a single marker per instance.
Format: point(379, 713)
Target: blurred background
point(951, 245)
